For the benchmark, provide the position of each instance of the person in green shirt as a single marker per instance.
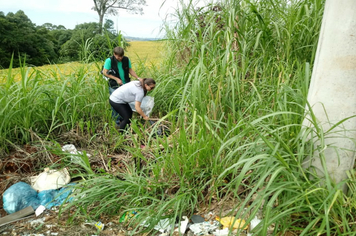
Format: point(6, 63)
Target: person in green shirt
point(117, 70)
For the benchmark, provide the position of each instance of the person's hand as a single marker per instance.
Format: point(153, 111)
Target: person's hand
point(119, 81)
point(146, 118)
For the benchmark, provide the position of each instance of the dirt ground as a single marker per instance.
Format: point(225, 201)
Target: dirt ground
point(24, 162)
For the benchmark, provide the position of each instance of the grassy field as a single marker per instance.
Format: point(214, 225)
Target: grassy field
point(231, 89)
point(149, 52)
point(141, 54)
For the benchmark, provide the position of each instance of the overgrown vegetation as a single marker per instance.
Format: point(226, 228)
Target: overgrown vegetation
point(232, 91)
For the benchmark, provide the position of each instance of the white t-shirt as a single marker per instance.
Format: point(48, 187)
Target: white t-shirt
point(129, 92)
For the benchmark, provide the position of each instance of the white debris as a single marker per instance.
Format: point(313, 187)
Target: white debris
point(73, 150)
point(40, 210)
point(163, 226)
point(254, 222)
point(221, 232)
point(183, 225)
point(204, 227)
point(37, 221)
point(50, 179)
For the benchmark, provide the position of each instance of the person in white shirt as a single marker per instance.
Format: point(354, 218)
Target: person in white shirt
point(133, 91)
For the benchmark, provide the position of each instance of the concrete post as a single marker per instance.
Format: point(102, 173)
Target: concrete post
point(332, 92)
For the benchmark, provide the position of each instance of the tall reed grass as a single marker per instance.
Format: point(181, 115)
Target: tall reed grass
point(233, 89)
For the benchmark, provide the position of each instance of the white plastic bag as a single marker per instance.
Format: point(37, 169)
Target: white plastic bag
point(71, 149)
point(50, 179)
point(146, 105)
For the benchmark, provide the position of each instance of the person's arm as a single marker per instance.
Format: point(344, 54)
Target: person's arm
point(139, 110)
point(133, 73)
point(118, 80)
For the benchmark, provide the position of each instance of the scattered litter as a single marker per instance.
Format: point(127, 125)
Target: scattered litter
point(221, 232)
point(20, 196)
point(50, 179)
point(229, 221)
point(254, 222)
point(127, 215)
point(40, 210)
point(163, 225)
point(209, 216)
point(21, 214)
point(197, 219)
point(55, 197)
point(37, 222)
point(99, 225)
point(183, 225)
point(204, 227)
point(73, 150)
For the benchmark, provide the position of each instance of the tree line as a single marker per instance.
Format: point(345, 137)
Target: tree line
point(23, 40)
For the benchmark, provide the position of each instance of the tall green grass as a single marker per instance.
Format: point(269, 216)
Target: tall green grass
point(50, 104)
point(233, 92)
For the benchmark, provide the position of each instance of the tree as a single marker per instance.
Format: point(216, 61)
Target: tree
point(111, 7)
point(20, 37)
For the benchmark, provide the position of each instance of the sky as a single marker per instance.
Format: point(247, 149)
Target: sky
point(69, 13)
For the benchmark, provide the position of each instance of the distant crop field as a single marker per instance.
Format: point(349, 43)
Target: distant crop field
point(145, 51)
point(139, 52)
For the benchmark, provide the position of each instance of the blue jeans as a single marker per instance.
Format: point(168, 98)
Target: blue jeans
point(116, 117)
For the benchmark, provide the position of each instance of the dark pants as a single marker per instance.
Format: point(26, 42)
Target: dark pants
point(124, 111)
point(114, 114)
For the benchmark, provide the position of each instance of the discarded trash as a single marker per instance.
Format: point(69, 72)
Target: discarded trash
point(163, 225)
point(197, 219)
point(55, 197)
point(127, 215)
point(229, 221)
point(221, 232)
point(72, 150)
point(50, 179)
point(254, 222)
point(20, 196)
point(37, 222)
point(209, 216)
point(204, 227)
point(183, 225)
point(28, 211)
point(146, 105)
point(99, 225)
point(40, 210)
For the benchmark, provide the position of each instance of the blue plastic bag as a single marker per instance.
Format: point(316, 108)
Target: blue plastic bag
point(20, 196)
point(55, 197)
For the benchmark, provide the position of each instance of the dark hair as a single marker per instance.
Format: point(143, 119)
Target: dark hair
point(119, 51)
point(147, 81)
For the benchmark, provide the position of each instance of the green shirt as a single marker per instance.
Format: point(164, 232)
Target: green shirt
point(107, 65)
